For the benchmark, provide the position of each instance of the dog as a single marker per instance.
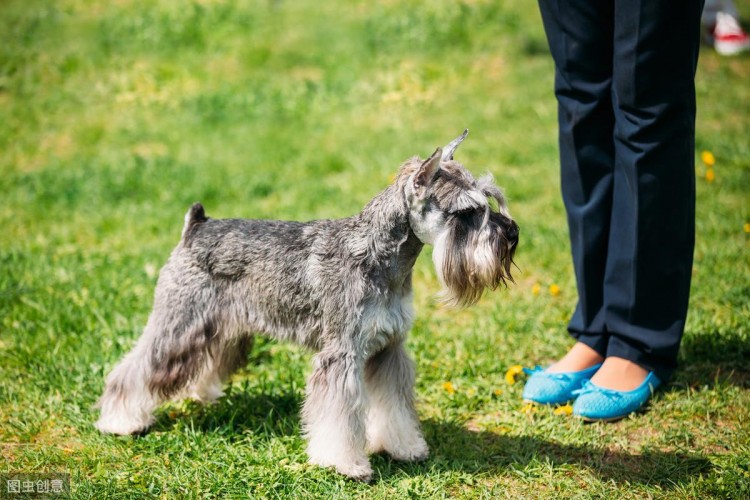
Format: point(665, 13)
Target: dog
point(342, 288)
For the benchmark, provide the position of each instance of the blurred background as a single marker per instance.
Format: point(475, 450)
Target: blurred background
point(116, 116)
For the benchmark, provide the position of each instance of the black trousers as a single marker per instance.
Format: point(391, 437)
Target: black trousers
point(624, 82)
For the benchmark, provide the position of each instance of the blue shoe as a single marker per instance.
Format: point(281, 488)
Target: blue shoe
point(597, 403)
point(554, 388)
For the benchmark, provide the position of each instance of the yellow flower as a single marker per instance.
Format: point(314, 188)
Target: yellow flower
point(746, 227)
point(448, 387)
point(471, 392)
point(497, 392)
point(554, 290)
point(513, 371)
point(708, 158)
point(536, 289)
point(563, 410)
point(710, 176)
point(528, 408)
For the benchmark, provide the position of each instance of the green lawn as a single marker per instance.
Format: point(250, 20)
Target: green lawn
point(116, 116)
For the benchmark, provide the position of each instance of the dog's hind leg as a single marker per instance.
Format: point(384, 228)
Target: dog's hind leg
point(128, 403)
point(224, 359)
point(172, 351)
point(392, 423)
point(333, 414)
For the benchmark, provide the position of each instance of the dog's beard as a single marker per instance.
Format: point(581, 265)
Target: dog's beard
point(472, 255)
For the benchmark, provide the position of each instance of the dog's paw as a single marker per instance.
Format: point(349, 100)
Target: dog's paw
point(206, 391)
point(358, 472)
point(416, 451)
point(206, 398)
point(121, 426)
point(357, 469)
point(404, 445)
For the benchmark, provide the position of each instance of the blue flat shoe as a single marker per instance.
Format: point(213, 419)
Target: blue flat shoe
point(594, 403)
point(554, 388)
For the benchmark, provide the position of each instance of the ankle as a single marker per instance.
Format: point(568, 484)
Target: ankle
point(619, 374)
point(579, 357)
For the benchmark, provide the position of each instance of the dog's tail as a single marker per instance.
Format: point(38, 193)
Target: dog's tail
point(195, 216)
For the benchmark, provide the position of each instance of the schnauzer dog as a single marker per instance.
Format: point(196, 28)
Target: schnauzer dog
point(342, 288)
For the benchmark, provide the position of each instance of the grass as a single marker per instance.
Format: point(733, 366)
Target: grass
point(117, 115)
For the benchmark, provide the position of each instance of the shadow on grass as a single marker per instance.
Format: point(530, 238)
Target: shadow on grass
point(453, 447)
point(709, 358)
point(241, 411)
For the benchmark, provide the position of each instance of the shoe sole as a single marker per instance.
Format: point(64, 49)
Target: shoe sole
point(730, 50)
point(562, 403)
point(590, 420)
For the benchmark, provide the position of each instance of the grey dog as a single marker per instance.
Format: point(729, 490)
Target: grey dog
point(342, 288)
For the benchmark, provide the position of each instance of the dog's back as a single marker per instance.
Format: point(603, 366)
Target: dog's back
point(228, 248)
point(274, 277)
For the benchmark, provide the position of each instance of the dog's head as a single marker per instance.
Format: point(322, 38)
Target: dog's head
point(465, 219)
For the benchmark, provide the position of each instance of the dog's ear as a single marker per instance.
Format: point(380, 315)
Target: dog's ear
point(426, 173)
point(453, 145)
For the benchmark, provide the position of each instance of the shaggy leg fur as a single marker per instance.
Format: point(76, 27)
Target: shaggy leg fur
point(392, 424)
point(127, 404)
point(160, 366)
point(208, 387)
point(333, 415)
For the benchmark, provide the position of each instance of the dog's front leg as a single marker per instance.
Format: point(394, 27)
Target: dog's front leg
point(392, 423)
point(333, 415)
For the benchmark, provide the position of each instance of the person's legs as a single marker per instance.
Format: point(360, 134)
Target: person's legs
point(580, 36)
point(651, 237)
